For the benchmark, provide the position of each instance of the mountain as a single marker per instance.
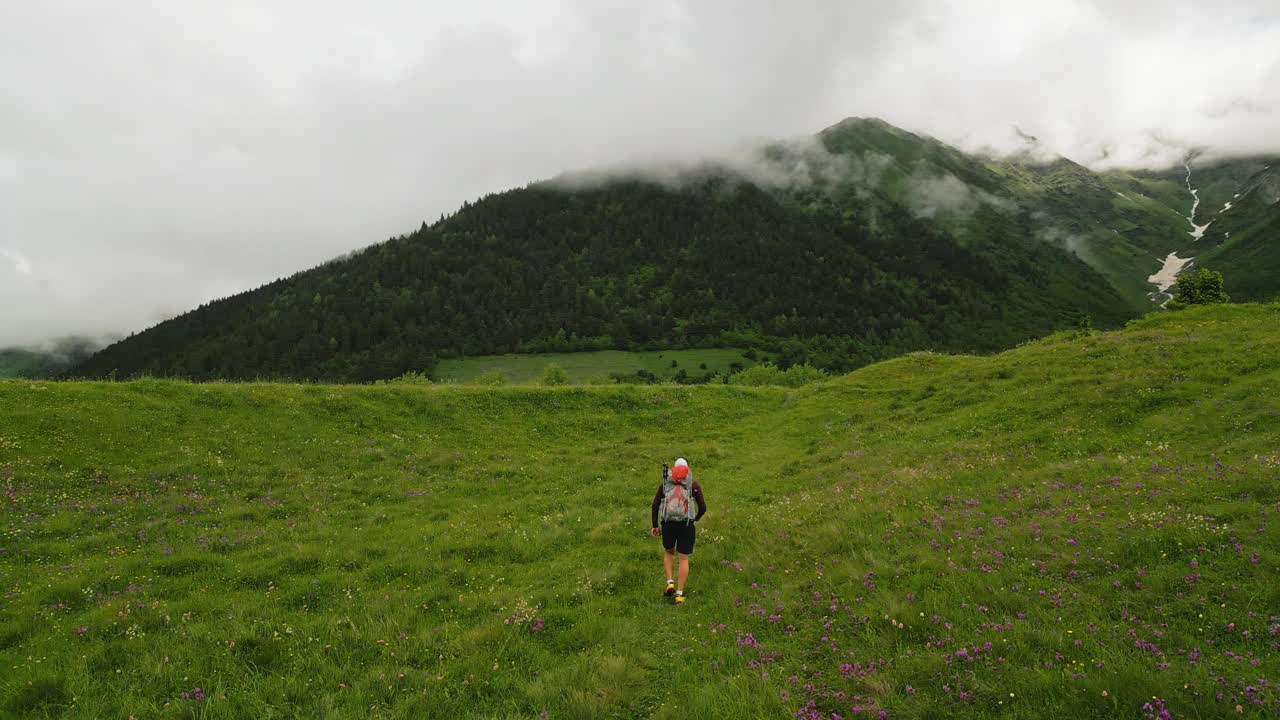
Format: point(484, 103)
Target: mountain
point(1242, 240)
point(65, 353)
point(862, 242)
point(1123, 223)
point(1230, 210)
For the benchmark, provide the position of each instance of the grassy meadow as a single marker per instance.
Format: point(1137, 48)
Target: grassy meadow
point(1084, 526)
point(588, 367)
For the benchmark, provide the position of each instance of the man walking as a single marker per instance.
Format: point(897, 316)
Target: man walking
point(674, 505)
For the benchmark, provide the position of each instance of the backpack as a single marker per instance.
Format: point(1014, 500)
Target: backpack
point(677, 500)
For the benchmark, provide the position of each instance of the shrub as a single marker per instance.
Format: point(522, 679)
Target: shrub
point(495, 376)
point(1201, 288)
point(639, 377)
point(769, 374)
point(553, 374)
point(798, 375)
point(412, 378)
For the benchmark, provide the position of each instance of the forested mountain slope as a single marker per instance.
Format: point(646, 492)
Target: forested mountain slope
point(634, 263)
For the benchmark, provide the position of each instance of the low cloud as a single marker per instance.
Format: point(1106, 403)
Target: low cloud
point(1073, 243)
point(945, 194)
point(792, 165)
point(797, 164)
point(20, 264)
point(932, 196)
point(67, 350)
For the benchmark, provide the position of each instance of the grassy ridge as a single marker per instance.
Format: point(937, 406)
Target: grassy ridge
point(1071, 527)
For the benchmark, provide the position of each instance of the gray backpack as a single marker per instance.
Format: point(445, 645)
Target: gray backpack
point(678, 504)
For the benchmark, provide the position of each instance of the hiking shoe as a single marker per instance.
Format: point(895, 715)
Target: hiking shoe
point(671, 588)
point(679, 598)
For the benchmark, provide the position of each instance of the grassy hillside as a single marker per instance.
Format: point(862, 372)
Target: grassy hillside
point(1240, 202)
point(1228, 180)
point(584, 367)
point(1250, 258)
point(1070, 528)
point(1244, 241)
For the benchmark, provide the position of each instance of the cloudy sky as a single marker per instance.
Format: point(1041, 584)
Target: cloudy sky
point(158, 154)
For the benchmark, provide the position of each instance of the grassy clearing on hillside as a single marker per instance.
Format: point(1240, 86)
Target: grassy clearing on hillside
point(1071, 528)
point(16, 363)
point(584, 367)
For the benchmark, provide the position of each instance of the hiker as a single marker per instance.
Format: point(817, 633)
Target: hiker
point(673, 503)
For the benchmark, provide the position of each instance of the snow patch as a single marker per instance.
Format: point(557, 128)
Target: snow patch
point(1168, 273)
point(1166, 277)
point(1197, 231)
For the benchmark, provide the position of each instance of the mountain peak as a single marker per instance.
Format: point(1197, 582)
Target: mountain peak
point(862, 123)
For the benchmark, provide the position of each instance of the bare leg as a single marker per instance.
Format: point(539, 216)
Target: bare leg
point(666, 562)
point(684, 571)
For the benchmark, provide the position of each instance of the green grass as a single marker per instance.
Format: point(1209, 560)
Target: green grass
point(584, 367)
point(1101, 510)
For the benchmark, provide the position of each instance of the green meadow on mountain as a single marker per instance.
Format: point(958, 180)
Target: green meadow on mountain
point(1122, 223)
point(64, 354)
point(861, 243)
point(1245, 209)
point(27, 364)
point(1083, 526)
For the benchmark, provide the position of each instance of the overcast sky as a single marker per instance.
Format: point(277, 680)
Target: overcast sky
point(156, 155)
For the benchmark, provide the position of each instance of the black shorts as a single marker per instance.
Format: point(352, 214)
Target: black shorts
point(679, 535)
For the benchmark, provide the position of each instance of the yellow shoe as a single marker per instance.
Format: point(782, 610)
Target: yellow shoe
point(679, 598)
point(671, 588)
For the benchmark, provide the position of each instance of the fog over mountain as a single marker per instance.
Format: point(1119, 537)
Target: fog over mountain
point(154, 156)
